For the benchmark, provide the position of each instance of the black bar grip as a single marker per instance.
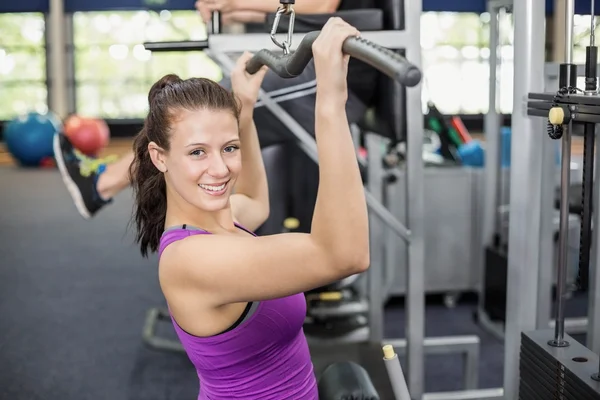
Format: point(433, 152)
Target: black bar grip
point(385, 60)
point(186, 45)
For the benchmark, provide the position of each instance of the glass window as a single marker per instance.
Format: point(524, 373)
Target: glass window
point(22, 64)
point(113, 71)
point(455, 56)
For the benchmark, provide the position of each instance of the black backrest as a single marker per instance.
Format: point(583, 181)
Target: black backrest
point(390, 101)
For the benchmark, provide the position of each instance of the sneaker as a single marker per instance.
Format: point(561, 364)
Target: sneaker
point(79, 173)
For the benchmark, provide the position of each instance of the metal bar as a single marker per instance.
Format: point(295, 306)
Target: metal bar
point(440, 344)
point(183, 45)
point(253, 42)
point(308, 144)
point(58, 98)
point(575, 108)
point(547, 215)
point(481, 394)
point(490, 213)
point(595, 119)
point(563, 237)
point(496, 4)
point(567, 99)
point(587, 186)
point(415, 211)
point(395, 374)
point(593, 327)
point(547, 230)
point(569, 21)
point(468, 345)
point(215, 23)
point(377, 240)
point(525, 187)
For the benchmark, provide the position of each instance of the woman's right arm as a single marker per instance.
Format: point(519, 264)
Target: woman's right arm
point(227, 269)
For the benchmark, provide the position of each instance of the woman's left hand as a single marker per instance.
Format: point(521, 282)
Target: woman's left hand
point(244, 85)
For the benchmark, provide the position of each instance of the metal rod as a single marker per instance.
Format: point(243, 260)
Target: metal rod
point(525, 187)
point(587, 184)
point(377, 233)
point(569, 14)
point(215, 23)
point(394, 369)
point(308, 145)
point(57, 62)
point(563, 239)
point(593, 25)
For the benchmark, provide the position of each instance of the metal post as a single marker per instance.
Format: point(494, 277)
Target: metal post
point(415, 188)
point(58, 98)
point(548, 226)
point(593, 327)
point(377, 233)
point(525, 187)
point(565, 177)
point(569, 13)
point(490, 211)
point(563, 237)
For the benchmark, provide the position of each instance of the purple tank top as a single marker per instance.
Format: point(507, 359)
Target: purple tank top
point(266, 357)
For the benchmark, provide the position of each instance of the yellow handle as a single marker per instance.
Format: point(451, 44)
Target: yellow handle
point(556, 116)
point(330, 296)
point(291, 223)
point(388, 352)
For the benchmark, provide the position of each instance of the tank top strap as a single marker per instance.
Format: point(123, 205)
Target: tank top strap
point(174, 234)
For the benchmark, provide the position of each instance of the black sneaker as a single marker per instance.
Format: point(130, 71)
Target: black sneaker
point(79, 173)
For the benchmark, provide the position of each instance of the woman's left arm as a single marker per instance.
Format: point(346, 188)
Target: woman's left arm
point(250, 202)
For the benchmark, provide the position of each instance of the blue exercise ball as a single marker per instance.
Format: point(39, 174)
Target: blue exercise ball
point(29, 137)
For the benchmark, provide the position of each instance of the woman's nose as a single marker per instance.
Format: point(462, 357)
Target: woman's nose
point(218, 167)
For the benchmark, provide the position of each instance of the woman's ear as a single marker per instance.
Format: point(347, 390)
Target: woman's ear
point(158, 157)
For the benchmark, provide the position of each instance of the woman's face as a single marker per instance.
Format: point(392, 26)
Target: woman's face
point(204, 160)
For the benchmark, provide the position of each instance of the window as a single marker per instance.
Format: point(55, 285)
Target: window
point(455, 52)
point(22, 64)
point(113, 71)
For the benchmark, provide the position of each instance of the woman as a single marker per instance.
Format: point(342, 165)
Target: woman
point(236, 300)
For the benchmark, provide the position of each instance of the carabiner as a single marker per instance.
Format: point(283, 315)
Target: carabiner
point(287, 44)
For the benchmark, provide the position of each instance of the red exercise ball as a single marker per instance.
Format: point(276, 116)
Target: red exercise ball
point(88, 135)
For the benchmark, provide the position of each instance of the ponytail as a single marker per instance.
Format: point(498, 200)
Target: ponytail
point(150, 196)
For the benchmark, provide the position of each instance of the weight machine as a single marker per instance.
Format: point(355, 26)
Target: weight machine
point(550, 361)
point(543, 363)
point(495, 213)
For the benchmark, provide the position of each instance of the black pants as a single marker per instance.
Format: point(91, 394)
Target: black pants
point(293, 176)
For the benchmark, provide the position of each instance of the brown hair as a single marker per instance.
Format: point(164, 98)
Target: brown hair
point(167, 97)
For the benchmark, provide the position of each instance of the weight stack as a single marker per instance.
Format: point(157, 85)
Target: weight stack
point(562, 373)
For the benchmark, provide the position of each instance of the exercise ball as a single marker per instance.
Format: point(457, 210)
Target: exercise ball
point(29, 137)
point(88, 135)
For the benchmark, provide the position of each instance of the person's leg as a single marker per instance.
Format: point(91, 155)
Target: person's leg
point(115, 177)
point(84, 176)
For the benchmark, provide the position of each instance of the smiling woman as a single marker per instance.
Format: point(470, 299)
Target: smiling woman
point(236, 299)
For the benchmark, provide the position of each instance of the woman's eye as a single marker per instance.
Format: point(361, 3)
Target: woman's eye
point(230, 149)
point(197, 152)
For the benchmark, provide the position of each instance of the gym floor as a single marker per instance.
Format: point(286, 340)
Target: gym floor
point(74, 296)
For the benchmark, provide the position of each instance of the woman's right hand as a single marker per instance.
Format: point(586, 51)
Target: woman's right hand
point(331, 64)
